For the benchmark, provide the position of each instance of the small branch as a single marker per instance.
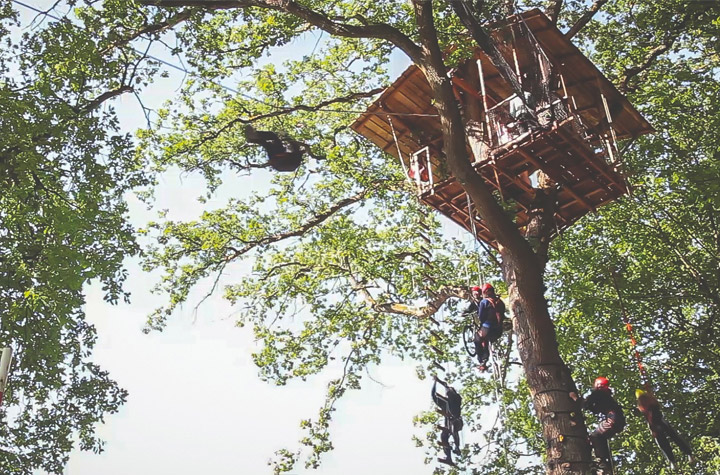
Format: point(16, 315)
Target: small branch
point(585, 18)
point(148, 29)
point(97, 102)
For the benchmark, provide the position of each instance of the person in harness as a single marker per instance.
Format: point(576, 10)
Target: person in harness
point(649, 406)
point(601, 402)
point(284, 154)
point(450, 407)
point(491, 313)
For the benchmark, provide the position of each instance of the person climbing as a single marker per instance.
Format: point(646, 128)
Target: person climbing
point(491, 312)
point(450, 406)
point(284, 154)
point(601, 402)
point(649, 406)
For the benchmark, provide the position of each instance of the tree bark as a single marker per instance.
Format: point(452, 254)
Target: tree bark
point(548, 377)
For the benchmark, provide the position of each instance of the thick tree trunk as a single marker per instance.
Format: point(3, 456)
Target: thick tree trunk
point(547, 375)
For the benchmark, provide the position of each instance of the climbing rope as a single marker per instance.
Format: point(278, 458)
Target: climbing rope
point(645, 378)
point(475, 238)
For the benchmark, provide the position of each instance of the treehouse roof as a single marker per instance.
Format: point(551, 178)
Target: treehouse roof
point(410, 94)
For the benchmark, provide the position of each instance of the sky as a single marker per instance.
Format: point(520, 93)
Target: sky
point(196, 404)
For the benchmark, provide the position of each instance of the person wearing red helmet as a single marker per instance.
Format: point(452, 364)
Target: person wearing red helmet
point(649, 406)
point(612, 420)
point(491, 312)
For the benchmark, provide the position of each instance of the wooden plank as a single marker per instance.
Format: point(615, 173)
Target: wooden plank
point(584, 151)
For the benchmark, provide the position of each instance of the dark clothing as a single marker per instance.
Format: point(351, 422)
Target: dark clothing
point(451, 407)
point(491, 312)
point(283, 155)
point(483, 338)
point(445, 443)
point(602, 403)
point(471, 309)
point(661, 430)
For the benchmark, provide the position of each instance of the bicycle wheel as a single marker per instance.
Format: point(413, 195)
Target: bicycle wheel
point(469, 340)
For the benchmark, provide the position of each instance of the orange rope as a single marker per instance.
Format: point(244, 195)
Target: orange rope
point(631, 334)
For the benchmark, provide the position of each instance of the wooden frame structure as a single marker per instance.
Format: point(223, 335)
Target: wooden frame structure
point(571, 138)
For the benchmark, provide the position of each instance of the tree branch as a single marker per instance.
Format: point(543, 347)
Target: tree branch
point(585, 18)
point(485, 42)
point(380, 31)
point(650, 58)
point(107, 95)
point(554, 10)
point(670, 37)
point(398, 308)
point(299, 231)
point(154, 28)
point(281, 111)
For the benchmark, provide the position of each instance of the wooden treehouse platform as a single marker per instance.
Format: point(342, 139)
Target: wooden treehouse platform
point(571, 135)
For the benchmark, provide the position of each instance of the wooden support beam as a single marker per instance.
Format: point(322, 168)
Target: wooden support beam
point(556, 175)
point(465, 86)
point(589, 157)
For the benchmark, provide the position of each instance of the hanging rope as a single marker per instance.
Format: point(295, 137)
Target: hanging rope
point(475, 236)
point(400, 155)
point(645, 378)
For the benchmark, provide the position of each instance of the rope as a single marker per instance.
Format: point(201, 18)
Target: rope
point(400, 155)
point(644, 377)
point(475, 236)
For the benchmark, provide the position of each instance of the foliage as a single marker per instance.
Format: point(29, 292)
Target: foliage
point(319, 286)
point(345, 262)
point(65, 166)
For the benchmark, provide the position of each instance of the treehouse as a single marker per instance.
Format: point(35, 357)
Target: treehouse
point(565, 120)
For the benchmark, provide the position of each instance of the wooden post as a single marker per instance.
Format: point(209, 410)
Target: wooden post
point(517, 66)
point(562, 81)
point(4, 370)
point(613, 142)
point(484, 102)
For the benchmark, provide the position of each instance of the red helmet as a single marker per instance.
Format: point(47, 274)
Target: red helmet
point(475, 288)
point(487, 288)
point(601, 382)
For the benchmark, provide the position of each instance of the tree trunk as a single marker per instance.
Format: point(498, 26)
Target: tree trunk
point(547, 375)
